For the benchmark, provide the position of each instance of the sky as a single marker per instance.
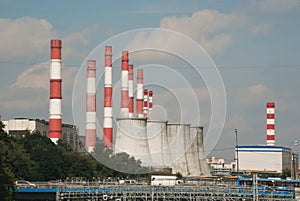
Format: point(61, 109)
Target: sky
point(254, 45)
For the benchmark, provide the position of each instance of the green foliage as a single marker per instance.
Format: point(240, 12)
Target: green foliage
point(285, 173)
point(178, 175)
point(35, 158)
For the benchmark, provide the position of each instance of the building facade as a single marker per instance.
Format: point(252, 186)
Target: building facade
point(21, 126)
point(263, 158)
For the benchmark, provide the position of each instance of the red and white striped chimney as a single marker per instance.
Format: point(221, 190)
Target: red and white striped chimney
point(139, 93)
point(130, 90)
point(55, 115)
point(124, 85)
point(107, 121)
point(150, 102)
point(90, 133)
point(270, 123)
point(145, 102)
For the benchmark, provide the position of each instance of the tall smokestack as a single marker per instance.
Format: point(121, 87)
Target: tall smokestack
point(150, 102)
point(90, 135)
point(130, 90)
point(145, 102)
point(270, 123)
point(124, 85)
point(139, 93)
point(55, 114)
point(107, 121)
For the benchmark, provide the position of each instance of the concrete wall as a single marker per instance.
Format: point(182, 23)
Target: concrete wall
point(203, 165)
point(195, 169)
point(131, 137)
point(176, 148)
point(156, 134)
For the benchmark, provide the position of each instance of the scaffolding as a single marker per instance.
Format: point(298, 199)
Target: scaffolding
point(182, 193)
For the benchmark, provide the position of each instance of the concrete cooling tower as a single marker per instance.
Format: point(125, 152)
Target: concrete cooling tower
point(203, 165)
point(192, 152)
point(131, 137)
point(156, 134)
point(176, 146)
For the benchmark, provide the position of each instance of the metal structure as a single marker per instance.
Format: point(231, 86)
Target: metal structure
point(55, 114)
point(168, 194)
point(107, 120)
point(90, 133)
point(237, 152)
point(100, 191)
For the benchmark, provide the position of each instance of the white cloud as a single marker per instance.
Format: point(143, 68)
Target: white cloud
point(37, 77)
point(237, 121)
point(252, 95)
point(207, 27)
point(24, 36)
point(275, 6)
point(261, 28)
point(74, 43)
point(24, 101)
point(211, 29)
point(29, 95)
point(192, 105)
point(29, 36)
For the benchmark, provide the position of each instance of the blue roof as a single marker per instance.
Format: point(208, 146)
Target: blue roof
point(262, 147)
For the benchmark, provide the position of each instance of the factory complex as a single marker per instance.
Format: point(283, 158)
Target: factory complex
point(156, 143)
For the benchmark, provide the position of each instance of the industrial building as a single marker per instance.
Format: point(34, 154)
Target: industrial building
point(267, 158)
point(219, 168)
point(155, 143)
point(23, 125)
point(264, 158)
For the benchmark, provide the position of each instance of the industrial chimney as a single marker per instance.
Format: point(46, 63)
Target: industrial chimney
point(130, 90)
point(55, 114)
point(139, 93)
point(145, 102)
point(90, 135)
point(270, 123)
point(150, 102)
point(107, 121)
point(124, 85)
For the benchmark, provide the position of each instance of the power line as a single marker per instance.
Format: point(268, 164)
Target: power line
point(218, 66)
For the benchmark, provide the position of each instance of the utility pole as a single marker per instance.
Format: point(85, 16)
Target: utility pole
point(237, 152)
point(292, 160)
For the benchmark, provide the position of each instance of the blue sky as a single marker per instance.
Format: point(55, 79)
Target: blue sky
point(255, 45)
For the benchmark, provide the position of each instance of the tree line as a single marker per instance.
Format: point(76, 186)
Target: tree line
point(34, 157)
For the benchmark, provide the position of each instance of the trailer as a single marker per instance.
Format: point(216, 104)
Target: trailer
point(163, 180)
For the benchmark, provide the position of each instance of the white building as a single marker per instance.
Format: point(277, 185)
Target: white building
point(21, 126)
point(263, 158)
point(218, 167)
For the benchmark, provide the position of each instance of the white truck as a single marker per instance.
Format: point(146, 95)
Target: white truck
point(163, 180)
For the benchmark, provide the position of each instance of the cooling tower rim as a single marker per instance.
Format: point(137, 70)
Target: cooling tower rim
point(178, 124)
point(132, 118)
point(157, 121)
point(197, 127)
